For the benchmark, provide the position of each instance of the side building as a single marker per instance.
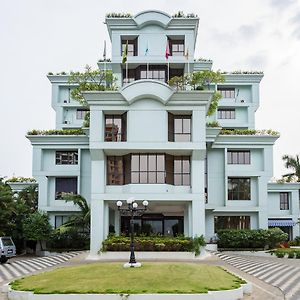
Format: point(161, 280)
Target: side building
point(151, 142)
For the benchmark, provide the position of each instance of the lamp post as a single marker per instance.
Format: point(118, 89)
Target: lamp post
point(132, 210)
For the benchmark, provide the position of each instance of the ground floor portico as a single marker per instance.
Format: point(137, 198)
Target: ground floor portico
point(163, 217)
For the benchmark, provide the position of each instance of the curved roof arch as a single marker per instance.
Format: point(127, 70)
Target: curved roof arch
point(147, 88)
point(156, 17)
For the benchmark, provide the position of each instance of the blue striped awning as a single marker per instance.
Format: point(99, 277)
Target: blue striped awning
point(279, 223)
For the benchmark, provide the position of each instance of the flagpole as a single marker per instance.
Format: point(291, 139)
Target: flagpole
point(126, 71)
point(147, 70)
point(168, 70)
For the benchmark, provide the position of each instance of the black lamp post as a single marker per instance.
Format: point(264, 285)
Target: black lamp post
point(132, 210)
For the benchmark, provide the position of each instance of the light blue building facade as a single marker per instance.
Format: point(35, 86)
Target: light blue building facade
point(151, 142)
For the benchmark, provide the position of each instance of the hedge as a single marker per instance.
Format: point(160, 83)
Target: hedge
point(251, 239)
point(153, 243)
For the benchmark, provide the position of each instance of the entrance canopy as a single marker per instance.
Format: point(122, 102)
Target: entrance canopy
point(280, 223)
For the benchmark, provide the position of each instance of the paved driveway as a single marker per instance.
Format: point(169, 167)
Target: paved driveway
point(279, 272)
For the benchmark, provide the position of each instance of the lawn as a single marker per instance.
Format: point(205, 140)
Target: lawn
point(112, 278)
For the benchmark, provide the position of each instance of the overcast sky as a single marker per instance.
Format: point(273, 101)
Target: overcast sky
point(38, 36)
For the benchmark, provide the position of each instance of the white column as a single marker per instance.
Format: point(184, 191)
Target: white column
point(117, 222)
point(294, 203)
point(97, 225)
point(198, 213)
point(186, 220)
point(190, 219)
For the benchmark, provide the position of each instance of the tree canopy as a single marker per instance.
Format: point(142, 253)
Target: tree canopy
point(292, 162)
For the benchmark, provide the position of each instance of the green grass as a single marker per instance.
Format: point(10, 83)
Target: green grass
point(113, 278)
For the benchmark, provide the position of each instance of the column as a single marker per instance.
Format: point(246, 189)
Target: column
point(97, 225)
point(117, 222)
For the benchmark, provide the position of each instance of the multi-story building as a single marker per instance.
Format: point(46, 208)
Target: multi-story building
point(149, 141)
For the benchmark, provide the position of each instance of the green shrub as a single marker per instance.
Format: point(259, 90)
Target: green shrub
point(153, 243)
point(291, 254)
point(246, 238)
point(280, 254)
point(297, 254)
point(295, 242)
point(69, 240)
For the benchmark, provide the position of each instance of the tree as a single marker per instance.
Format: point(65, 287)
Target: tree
point(293, 163)
point(91, 80)
point(199, 81)
point(37, 227)
point(80, 221)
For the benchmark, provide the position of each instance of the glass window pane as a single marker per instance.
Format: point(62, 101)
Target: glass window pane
point(135, 162)
point(177, 179)
point(143, 162)
point(134, 177)
point(177, 166)
point(186, 125)
point(178, 125)
point(143, 177)
point(160, 162)
point(143, 74)
point(186, 179)
point(152, 177)
point(152, 163)
point(160, 177)
point(185, 166)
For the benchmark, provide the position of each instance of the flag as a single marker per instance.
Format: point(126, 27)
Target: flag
point(187, 54)
point(104, 51)
point(167, 50)
point(147, 49)
point(125, 52)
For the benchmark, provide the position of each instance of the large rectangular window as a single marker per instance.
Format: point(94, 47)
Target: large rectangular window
point(115, 170)
point(65, 185)
point(238, 157)
point(176, 47)
point(179, 128)
point(182, 170)
point(155, 72)
point(66, 157)
point(115, 128)
point(239, 188)
point(132, 46)
point(80, 113)
point(232, 222)
point(226, 113)
point(148, 168)
point(284, 201)
point(227, 92)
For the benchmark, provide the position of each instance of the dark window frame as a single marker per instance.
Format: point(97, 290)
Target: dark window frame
point(226, 113)
point(284, 201)
point(64, 219)
point(81, 113)
point(132, 46)
point(114, 176)
point(231, 222)
point(74, 189)
point(111, 135)
point(237, 192)
point(181, 174)
point(238, 157)
point(66, 157)
point(175, 135)
point(176, 46)
point(227, 92)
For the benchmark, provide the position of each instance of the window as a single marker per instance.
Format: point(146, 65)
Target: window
point(115, 170)
point(130, 76)
point(155, 72)
point(284, 201)
point(226, 113)
point(227, 92)
point(179, 128)
point(60, 220)
point(238, 157)
point(239, 188)
point(115, 128)
point(80, 113)
point(148, 168)
point(65, 185)
point(176, 47)
point(132, 46)
point(182, 170)
point(232, 222)
point(66, 157)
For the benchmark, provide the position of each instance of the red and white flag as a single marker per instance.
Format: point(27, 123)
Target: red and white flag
point(167, 50)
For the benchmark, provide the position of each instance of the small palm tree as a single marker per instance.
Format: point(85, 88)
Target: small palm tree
point(80, 221)
point(291, 162)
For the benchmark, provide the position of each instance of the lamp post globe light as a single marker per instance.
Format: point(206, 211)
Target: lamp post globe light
point(132, 210)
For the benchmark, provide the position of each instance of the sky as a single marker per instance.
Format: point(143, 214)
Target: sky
point(41, 36)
